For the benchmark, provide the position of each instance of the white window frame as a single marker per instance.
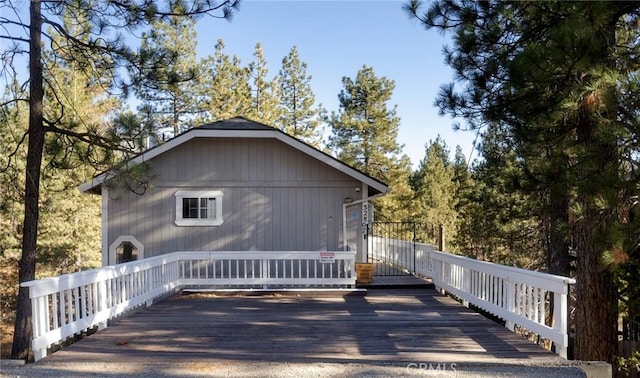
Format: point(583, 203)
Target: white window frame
point(122, 239)
point(215, 221)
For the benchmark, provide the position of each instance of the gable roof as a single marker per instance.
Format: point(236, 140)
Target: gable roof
point(240, 127)
point(237, 123)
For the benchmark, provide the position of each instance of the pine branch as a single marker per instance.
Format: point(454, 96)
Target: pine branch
point(14, 152)
point(6, 21)
point(13, 101)
point(87, 137)
point(11, 38)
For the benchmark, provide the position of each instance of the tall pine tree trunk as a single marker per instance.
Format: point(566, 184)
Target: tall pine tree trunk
point(598, 193)
point(23, 326)
point(596, 301)
point(558, 259)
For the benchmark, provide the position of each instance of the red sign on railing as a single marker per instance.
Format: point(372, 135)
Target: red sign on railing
point(327, 257)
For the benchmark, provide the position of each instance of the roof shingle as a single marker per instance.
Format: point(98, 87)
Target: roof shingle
point(236, 123)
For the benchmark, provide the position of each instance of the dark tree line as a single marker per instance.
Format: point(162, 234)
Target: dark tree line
point(554, 83)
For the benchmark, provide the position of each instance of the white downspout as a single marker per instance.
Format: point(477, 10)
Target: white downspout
point(105, 224)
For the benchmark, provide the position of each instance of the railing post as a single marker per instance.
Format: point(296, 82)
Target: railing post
point(146, 284)
point(264, 272)
point(440, 267)
point(102, 300)
point(413, 248)
point(352, 269)
point(510, 301)
point(39, 321)
point(560, 312)
point(466, 284)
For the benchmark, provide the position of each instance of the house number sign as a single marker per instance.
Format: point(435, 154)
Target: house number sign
point(365, 220)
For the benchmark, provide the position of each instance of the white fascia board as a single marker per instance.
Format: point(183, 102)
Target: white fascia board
point(175, 142)
point(335, 163)
point(277, 134)
point(91, 184)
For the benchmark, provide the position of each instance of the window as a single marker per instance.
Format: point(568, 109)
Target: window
point(124, 249)
point(126, 252)
point(199, 208)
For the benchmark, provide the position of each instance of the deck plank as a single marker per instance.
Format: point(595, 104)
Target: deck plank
point(385, 326)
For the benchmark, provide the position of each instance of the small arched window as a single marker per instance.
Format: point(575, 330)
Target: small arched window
point(124, 249)
point(126, 252)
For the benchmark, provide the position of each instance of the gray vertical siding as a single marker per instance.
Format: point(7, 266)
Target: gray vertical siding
point(275, 198)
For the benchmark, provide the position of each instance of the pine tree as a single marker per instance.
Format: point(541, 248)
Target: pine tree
point(554, 74)
point(265, 92)
point(227, 89)
point(139, 130)
point(460, 166)
point(297, 116)
point(465, 185)
point(499, 221)
point(396, 206)
point(365, 129)
point(69, 231)
point(104, 43)
point(82, 102)
point(69, 237)
point(170, 73)
point(12, 163)
point(365, 136)
point(435, 194)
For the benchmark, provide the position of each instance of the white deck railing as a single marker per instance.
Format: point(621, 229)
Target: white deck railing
point(70, 304)
point(518, 296)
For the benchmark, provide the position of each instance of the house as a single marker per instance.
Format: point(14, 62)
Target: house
point(235, 185)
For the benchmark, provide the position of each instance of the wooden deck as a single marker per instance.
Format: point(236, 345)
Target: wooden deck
point(381, 327)
point(399, 282)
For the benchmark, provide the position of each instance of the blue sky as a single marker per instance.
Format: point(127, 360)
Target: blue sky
point(336, 38)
